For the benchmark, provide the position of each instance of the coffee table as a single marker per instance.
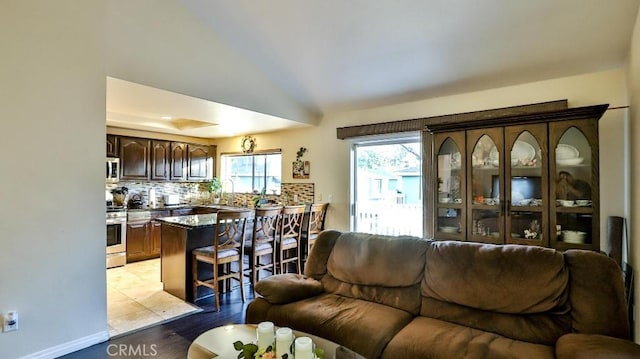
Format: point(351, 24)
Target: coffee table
point(218, 342)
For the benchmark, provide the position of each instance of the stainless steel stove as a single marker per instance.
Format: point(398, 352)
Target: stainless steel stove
point(116, 236)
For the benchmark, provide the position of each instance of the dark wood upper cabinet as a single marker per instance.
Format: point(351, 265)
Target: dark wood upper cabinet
point(134, 158)
point(112, 146)
point(178, 161)
point(160, 158)
point(200, 162)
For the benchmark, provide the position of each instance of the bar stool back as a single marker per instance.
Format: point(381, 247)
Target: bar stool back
point(290, 236)
point(227, 249)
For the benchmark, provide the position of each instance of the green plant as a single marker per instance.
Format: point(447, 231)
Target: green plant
point(300, 153)
point(215, 186)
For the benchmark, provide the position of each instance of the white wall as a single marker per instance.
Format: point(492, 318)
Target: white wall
point(633, 77)
point(330, 157)
point(52, 234)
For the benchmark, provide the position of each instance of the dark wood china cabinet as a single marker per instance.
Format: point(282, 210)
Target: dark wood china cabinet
point(530, 179)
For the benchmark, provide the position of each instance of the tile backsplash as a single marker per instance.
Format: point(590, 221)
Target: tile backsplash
point(196, 193)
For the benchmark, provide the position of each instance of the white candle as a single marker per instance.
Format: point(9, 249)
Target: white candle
point(265, 334)
point(284, 339)
point(304, 348)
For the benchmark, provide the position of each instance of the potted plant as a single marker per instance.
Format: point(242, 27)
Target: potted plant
point(215, 188)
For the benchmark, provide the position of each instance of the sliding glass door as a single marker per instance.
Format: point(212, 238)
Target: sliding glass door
point(386, 186)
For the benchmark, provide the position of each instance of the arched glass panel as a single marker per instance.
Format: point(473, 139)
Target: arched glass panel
point(485, 188)
point(574, 183)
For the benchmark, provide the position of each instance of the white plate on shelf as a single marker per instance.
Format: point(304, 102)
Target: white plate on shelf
point(570, 161)
point(575, 237)
point(565, 152)
point(447, 229)
point(522, 152)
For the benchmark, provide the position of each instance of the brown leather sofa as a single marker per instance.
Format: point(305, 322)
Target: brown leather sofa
point(405, 297)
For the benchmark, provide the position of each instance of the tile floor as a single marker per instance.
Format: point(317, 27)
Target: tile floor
point(135, 298)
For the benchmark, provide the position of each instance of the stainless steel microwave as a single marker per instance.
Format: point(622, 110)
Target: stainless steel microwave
point(113, 169)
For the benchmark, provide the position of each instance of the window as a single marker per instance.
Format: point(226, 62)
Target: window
point(386, 187)
point(251, 173)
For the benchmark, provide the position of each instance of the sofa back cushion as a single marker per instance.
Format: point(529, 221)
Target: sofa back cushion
point(519, 292)
point(510, 279)
point(597, 294)
point(382, 269)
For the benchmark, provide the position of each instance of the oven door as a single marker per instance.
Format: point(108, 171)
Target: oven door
point(116, 236)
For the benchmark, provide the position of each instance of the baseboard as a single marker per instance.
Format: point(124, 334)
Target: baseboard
point(70, 347)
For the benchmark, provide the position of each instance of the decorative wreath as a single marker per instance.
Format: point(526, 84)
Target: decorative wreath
point(248, 143)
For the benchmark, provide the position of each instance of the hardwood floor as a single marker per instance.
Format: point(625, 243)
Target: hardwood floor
point(171, 340)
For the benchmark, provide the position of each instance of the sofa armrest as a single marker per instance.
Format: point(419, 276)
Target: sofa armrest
point(287, 288)
point(593, 346)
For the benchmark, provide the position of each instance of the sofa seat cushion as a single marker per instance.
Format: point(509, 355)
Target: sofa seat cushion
point(343, 320)
point(435, 339)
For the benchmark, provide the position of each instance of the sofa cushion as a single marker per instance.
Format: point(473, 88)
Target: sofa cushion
point(539, 328)
point(436, 339)
point(362, 326)
point(510, 279)
point(598, 305)
point(586, 346)
point(366, 266)
point(376, 260)
point(287, 287)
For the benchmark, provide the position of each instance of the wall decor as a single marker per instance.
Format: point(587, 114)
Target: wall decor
point(300, 168)
point(248, 144)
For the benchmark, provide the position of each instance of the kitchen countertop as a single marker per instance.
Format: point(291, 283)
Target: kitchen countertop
point(191, 221)
point(180, 206)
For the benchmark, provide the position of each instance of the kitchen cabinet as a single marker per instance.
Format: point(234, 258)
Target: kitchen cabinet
point(178, 161)
point(160, 159)
point(143, 236)
point(112, 146)
point(137, 241)
point(144, 159)
point(200, 163)
point(521, 180)
point(134, 158)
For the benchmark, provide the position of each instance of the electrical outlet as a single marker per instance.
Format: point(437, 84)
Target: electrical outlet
point(10, 321)
point(330, 198)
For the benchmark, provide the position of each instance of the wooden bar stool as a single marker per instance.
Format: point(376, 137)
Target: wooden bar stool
point(317, 214)
point(290, 236)
point(263, 242)
point(227, 249)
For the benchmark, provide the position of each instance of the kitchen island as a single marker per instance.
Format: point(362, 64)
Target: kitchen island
point(181, 235)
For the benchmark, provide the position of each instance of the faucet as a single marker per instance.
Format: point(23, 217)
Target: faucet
point(232, 197)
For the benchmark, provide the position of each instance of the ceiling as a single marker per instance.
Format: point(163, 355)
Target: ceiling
point(336, 55)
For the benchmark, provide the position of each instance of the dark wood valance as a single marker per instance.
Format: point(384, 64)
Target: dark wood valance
point(420, 124)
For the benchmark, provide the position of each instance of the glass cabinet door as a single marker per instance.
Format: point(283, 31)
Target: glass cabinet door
point(526, 185)
point(574, 178)
point(450, 174)
point(485, 189)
